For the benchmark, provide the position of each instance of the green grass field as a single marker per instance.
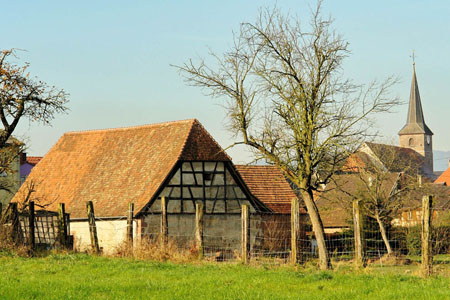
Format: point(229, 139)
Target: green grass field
point(87, 277)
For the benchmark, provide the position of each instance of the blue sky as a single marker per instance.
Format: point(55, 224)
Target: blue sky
point(114, 57)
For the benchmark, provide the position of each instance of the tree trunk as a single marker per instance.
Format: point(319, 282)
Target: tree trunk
point(383, 234)
point(317, 225)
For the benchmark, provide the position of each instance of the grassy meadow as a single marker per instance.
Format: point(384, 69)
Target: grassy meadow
point(79, 276)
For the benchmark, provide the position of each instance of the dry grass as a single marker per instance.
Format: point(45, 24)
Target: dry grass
point(159, 250)
point(277, 234)
point(7, 243)
point(391, 260)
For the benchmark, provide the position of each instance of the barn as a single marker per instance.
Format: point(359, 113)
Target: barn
point(178, 160)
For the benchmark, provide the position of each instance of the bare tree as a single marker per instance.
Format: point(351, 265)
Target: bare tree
point(287, 100)
point(22, 96)
point(29, 195)
point(383, 183)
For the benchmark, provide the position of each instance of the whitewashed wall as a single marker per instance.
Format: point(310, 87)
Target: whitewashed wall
point(110, 234)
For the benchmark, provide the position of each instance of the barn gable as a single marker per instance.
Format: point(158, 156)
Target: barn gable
point(215, 183)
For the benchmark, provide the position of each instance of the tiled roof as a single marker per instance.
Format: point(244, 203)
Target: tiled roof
point(444, 177)
point(33, 160)
point(392, 158)
point(405, 158)
point(268, 184)
point(113, 167)
point(356, 162)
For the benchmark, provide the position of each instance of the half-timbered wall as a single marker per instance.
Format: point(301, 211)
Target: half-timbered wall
point(209, 182)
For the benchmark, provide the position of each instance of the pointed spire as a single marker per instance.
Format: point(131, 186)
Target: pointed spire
point(415, 122)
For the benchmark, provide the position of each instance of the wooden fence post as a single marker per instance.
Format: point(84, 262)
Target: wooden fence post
point(92, 227)
point(62, 225)
point(199, 229)
point(31, 217)
point(130, 223)
point(357, 231)
point(295, 229)
point(245, 238)
point(2, 214)
point(164, 225)
point(427, 255)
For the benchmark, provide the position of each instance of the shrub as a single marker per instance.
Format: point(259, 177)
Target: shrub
point(440, 237)
point(414, 240)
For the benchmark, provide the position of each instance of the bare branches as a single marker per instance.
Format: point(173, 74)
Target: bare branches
point(30, 187)
point(22, 96)
point(381, 182)
point(287, 99)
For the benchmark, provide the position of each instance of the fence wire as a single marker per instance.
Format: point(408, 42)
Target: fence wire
point(269, 237)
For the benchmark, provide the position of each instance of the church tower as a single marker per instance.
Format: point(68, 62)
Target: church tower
point(416, 134)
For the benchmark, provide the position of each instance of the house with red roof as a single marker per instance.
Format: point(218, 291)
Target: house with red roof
point(177, 160)
point(444, 178)
point(26, 164)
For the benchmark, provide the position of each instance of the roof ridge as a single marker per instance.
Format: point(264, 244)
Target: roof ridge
point(195, 121)
point(129, 127)
point(395, 146)
point(187, 138)
point(207, 133)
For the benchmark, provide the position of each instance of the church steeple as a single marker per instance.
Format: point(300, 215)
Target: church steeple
point(415, 134)
point(415, 122)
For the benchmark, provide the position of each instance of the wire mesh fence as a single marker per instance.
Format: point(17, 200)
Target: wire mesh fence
point(270, 237)
point(34, 229)
point(46, 228)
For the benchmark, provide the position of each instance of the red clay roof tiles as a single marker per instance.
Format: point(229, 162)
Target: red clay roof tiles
point(115, 166)
point(444, 178)
point(269, 185)
point(33, 160)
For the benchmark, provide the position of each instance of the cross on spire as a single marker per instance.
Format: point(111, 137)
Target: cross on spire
point(415, 123)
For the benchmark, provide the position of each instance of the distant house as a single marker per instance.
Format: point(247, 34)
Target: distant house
point(26, 164)
point(113, 167)
point(411, 212)
point(444, 178)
